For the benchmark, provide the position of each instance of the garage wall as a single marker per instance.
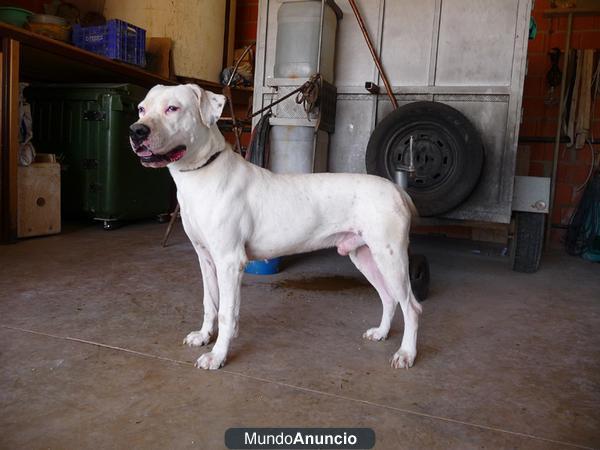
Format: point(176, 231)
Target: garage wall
point(196, 27)
point(540, 119)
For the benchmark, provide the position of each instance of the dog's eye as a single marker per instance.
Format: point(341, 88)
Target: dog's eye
point(141, 110)
point(172, 108)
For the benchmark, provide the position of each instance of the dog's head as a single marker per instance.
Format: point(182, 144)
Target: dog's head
point(174, 121)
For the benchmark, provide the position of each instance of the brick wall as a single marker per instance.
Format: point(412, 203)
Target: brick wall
point(540, 119)
point(245, 22)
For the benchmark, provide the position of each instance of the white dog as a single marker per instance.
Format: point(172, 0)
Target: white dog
point(234, 211)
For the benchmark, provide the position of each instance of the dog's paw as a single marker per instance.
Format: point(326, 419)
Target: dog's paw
point(210, 361)
point(403, 359)
point(197, 338)
point(374, 334)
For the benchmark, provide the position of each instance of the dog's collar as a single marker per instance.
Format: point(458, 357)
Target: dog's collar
point(208, 161)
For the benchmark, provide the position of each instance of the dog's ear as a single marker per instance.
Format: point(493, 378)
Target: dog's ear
point(211, 105)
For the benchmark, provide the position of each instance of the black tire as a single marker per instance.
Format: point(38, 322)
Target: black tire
point(418, 268)
point(447, 148)
point(527, 242)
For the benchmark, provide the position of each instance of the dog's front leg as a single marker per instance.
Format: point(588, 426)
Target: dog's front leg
point(210, 301)
point(229, 278)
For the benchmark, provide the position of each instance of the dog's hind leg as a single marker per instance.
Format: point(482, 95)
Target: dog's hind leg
point(391, 258)
point(210, 301)
point(363, 260)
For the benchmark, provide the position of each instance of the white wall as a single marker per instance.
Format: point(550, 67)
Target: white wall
point(195, 26)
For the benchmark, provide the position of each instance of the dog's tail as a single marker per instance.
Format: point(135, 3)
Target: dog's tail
point(408, 202)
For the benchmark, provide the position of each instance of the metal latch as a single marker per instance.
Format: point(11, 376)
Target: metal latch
point(403, 171)
point(94, 115)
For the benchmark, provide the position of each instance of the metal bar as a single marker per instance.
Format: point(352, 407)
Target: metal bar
point(174, 215)
point(238, 62)
point(559, 125)
point(234, 126)
point(322, 19)
point(551, 139)
point(9, 118)
point(365, 33)
point(435, 35)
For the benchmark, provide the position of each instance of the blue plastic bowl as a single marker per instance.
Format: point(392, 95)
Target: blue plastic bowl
point(263, 266)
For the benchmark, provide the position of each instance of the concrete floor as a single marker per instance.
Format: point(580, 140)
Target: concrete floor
point(91, 324)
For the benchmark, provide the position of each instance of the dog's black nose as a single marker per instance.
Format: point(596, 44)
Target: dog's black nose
point(139, 132)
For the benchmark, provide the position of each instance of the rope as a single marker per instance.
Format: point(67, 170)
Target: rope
point(308, 95)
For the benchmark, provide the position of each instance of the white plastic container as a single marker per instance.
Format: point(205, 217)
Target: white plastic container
point(297, 44)
point(292, 149)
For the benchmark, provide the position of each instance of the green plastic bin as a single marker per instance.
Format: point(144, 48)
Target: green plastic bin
point(87, 126)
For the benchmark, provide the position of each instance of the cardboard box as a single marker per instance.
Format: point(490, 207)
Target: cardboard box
point(158, 56)
point(38, 211)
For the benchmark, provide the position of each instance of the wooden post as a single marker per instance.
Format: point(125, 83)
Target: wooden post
point(9, 148)
point(561, 109)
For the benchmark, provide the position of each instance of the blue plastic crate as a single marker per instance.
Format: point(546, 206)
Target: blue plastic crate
point(116, 39)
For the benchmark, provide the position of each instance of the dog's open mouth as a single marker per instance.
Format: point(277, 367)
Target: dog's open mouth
point(148, 158)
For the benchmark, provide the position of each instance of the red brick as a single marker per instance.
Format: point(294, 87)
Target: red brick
point(534, 86)
point(529, 127)
point(246, 31)
point(556, 215)
point(548, 127)
point(538, 169)
point(578, 174)
point(576, 39)
point(541, 152)
point(583, 22)
point(537, 65)
point(561, 23)
point(583, 156)
point(245, 139)
point(557, 39)
point(537, 45)
point(246, 13)
point(561, 173)
point(534, 108)
point(552, 110)
point(563, 195)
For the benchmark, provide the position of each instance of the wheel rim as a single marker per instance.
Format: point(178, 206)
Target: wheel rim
point(434, 154)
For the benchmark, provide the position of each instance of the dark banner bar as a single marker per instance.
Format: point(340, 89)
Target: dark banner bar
point(299, 438)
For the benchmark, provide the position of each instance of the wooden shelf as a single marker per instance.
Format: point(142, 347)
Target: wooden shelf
point(45, 59)
point(27, 56)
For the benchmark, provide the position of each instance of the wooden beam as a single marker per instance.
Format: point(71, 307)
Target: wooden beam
point(574, 11)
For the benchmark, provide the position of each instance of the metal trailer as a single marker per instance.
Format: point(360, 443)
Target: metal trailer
point(468, 54)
